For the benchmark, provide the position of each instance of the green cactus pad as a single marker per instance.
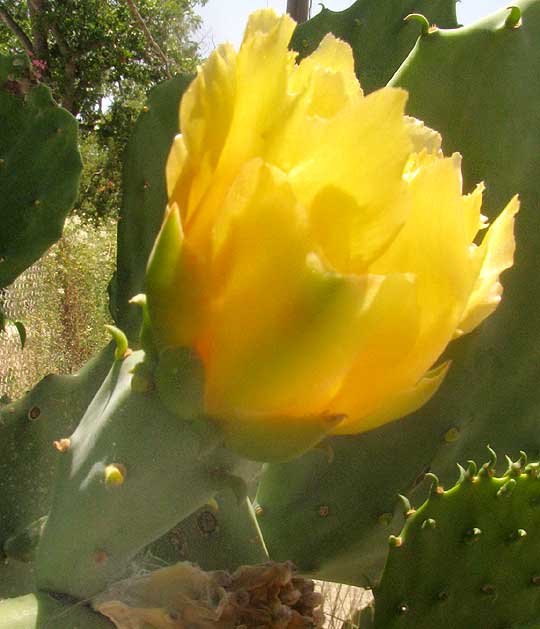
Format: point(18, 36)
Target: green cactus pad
point(28, 429)
point(169, 469)
point(377, 32)
point(220, 536)
point(40, 167)
point(487, 110)
point(468, 557)
point(144, 198)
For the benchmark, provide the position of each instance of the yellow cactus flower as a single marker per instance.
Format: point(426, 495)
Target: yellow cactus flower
point(317, 252)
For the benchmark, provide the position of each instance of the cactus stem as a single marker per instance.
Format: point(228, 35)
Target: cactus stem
point(513, 20)
point(62, 445)
point(115, 475)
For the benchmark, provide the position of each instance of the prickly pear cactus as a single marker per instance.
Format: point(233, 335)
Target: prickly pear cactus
point(377, 32)
point(469, 556)
point(40, 167)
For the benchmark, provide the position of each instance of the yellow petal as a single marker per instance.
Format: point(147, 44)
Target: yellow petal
point(423, 137)
point(399, 405)
point(319, 87)
point(284, 330)
point(352, 183)
point(434, 246)
point(175, 163)
point(472, 206)
point(263, 66)
point(205, 117)
point(328, 76)
point(495, 254)
point(275, 439)
point(390, 327)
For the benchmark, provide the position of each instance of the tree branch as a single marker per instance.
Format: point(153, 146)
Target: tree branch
point(153, 43)
point(298, 10)
point(8, 20)
point(37, 13)
point(60, 41)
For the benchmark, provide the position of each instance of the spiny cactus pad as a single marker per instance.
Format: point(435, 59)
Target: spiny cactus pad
point(468, 557)
point(40, 167)
point(377, 32)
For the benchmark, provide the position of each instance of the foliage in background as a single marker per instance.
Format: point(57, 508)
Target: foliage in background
point(86, 49)
point(62, 300)
point(99, 59)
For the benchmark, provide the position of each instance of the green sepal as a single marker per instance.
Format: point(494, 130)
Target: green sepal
point(276, 439)
point(179, 378)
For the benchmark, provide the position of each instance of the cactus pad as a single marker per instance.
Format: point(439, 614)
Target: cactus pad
point(40, 166)
point(468, 557)
point(377, 33)
point(144, 198)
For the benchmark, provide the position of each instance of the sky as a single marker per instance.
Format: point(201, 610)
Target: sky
point(224, 20)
